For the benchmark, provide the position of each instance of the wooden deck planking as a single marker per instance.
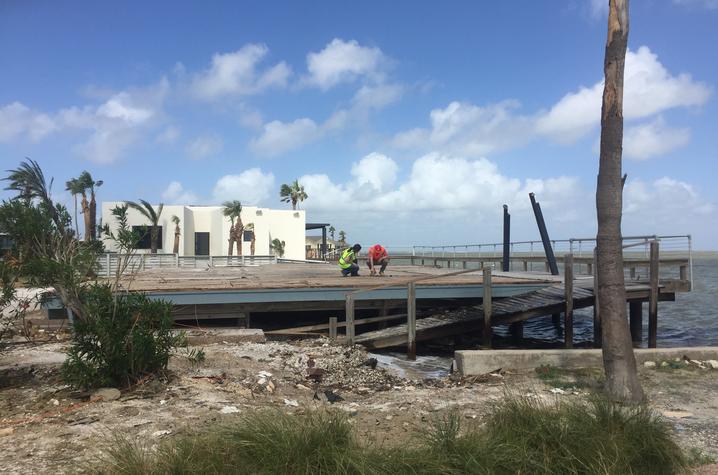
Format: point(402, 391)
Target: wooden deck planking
point(291, 276)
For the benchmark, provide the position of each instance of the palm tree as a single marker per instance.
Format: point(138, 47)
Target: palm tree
point(342, 238)
point(153, 216)
point(74, 186)
point(331, 232)
point(29, 181)
point(278, 247)
point(176, 220)
point(293, 193)
point(89, 183)
point(250, 228)
point(232, 210)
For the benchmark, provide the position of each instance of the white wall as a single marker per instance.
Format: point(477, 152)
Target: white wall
point(285, 225)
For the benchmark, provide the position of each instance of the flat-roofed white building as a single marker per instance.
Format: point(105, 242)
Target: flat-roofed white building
point(204, 230)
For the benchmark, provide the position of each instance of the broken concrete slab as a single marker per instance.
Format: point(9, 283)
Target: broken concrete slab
point(228, 335)
point(477, 362)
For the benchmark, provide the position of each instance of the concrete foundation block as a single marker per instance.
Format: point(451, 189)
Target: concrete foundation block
point(476, 362)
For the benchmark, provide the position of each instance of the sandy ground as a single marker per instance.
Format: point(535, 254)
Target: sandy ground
point(47, 426)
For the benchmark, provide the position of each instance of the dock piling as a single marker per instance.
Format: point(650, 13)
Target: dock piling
point(349, 309)
point(486, 304)
point(568, 312)
point(411, 321)
point(635, 315)
point(653, 296)
point(333, 328)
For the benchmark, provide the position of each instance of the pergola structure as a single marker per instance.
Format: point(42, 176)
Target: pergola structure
point(323, 227)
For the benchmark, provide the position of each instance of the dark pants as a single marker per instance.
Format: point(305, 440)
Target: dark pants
point(384, 262)
point(352, 269)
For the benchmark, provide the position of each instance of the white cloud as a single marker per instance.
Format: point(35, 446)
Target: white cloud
point(653, 139)
point(236, 74)
point(344, 61)
point(377, 97)
point(205, 146)
point(469, 130)
point(598, 8)
point(436, 183)
point(251, 187)
point(18, 121)
point(665, 205)
point(118, 123)
point(176, 194)
point(648, 89)
point(279, 137)
point(169, 135)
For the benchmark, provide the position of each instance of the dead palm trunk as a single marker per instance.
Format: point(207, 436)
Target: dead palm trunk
point(93, 217)
point(86, 216)
point(77, 226)
point(251, 246)
point(175, 248)
point(239, 235)
point(231, 239)
point(618, 358)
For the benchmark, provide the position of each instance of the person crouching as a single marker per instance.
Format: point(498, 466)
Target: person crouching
point(348, 261)
point(377, 256)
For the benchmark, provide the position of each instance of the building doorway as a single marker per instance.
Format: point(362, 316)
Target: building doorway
point(201, 244)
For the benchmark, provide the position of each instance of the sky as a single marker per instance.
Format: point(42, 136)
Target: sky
point(407, 122)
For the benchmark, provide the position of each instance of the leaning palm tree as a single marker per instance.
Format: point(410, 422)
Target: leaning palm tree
point(176, 220)
point(29, 181)
point(332, 231)
point(74, 186)
point(342, 238)
point(232, 210)
point(89, 183)
point(153, 216)
point(277, 247)
point(293, 193)
point(250, 227)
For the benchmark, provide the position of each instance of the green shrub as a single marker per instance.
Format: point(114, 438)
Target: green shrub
point(122, 338)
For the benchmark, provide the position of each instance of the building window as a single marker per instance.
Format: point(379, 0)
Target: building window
point(145, 241)
point(5, 243)
point(248, 235)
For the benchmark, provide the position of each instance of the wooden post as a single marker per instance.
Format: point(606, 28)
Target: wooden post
point(653, 296)
point(633, 272)
point(596, 316)
point(568, 312)
point(589, 266)
point(333, 328)
point(526, 266)
point(486, 334)
point(683, 272)
point(635, 315)
point(350, 319)
point(411, 321)
point(383, 313)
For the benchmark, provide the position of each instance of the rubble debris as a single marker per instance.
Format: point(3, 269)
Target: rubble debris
point(105, 394)
point(229, 410)
point(291, 402)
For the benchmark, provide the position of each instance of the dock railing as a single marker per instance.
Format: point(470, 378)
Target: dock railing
point(109, 262)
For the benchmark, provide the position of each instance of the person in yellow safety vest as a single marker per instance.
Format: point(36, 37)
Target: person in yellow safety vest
point(348, 261)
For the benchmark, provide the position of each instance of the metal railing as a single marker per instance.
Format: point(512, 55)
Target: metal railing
point(109, 262)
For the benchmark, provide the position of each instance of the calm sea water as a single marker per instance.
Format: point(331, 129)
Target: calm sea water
point(692, 320)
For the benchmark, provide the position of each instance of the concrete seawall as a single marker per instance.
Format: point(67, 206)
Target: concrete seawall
point(475, 362)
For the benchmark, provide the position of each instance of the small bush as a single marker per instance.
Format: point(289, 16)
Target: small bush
point(122, 338)
point(519, 436)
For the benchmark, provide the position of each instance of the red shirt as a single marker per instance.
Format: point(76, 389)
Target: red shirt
point(377, 252)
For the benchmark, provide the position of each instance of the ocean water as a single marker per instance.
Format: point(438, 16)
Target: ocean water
point(692, 320)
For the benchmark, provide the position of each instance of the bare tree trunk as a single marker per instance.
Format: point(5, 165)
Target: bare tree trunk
point(239, 236)
point(231, 240)
point(77, 226)
point(251, 247)
point(175, 248)
point(93, 216)
point(86, 216)
point(618, 359)
point(153, 239)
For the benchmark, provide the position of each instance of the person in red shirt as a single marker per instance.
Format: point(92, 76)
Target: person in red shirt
point(377, 255)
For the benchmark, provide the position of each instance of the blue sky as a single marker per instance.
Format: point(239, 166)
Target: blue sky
point(407, 122)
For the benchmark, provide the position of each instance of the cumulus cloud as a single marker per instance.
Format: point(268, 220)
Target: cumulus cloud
point(648, 89)
point(598, 8)
point(470, 130)
point(251, 187)
point(652, 139)
point(17, 121)
point(280, 137)
point(176, 194)
point(118, 123)
point(343, 61)
point(205, 146)
point(466, 129)
point(237, 74)
point(436, 183)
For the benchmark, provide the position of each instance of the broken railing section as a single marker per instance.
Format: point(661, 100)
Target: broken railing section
point(550, 258)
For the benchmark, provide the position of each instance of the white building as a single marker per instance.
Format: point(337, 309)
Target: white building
point(204, 230)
